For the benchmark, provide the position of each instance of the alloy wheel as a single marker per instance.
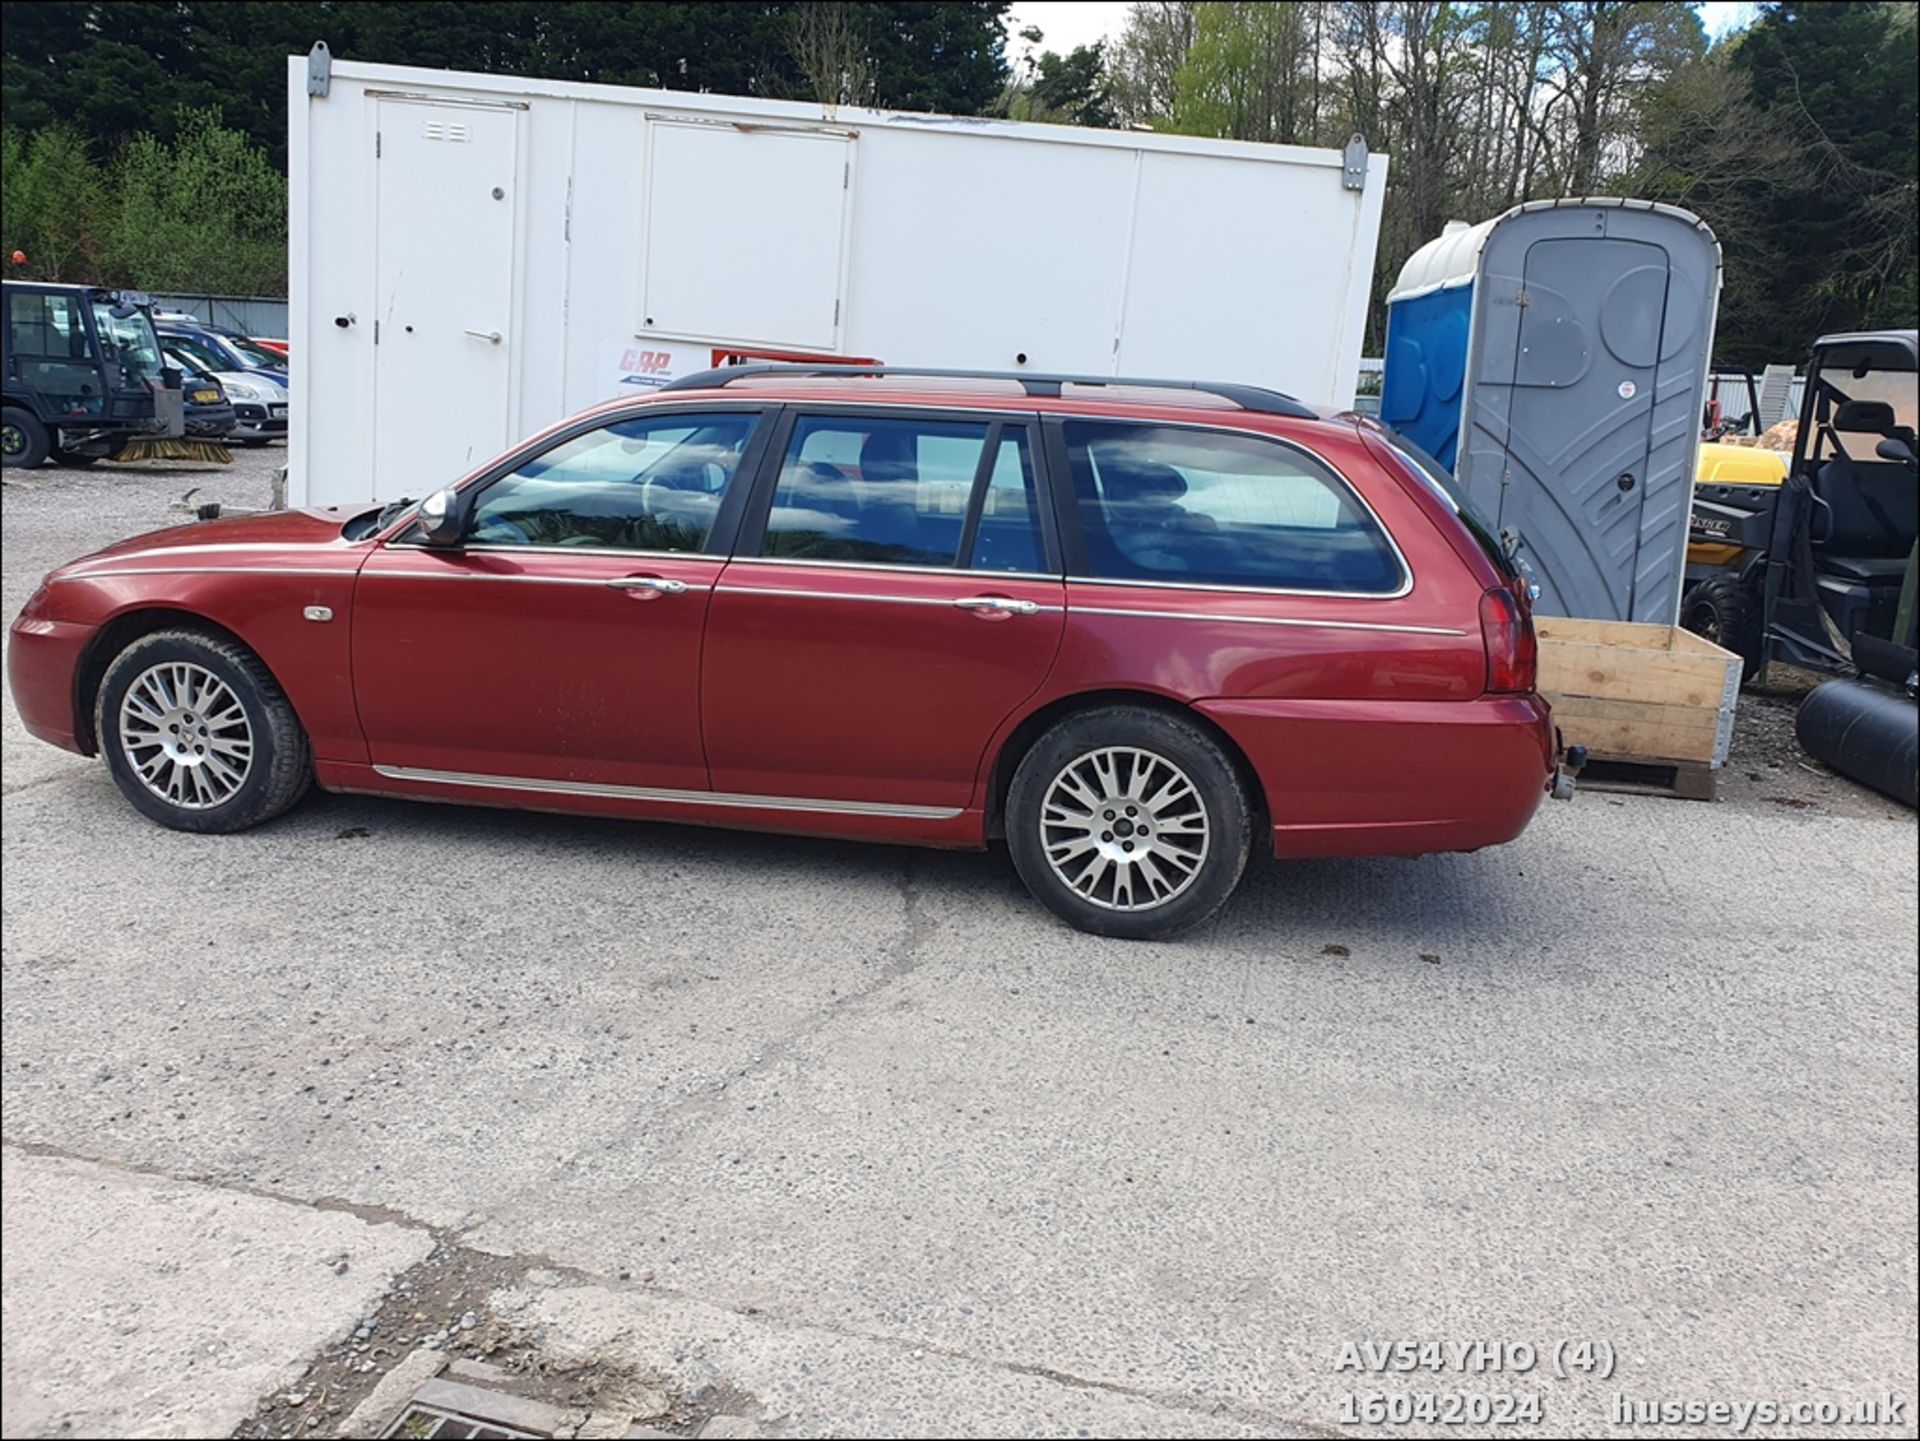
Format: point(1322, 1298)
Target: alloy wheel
point(1124, 828)
point(185, 735)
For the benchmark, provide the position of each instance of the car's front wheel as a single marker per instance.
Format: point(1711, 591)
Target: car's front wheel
point(1130, 822)
point(198, 735)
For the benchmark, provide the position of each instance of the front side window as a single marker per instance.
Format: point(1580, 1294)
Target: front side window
point(127, 337)
point(51, 352)
point(1214, 507)
point(647, 483)
point(888, 490)
point(46, 326)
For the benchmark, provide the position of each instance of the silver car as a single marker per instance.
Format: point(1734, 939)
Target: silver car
point(259, 401)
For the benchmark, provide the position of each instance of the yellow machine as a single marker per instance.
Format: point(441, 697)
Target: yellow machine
point(1723, 464)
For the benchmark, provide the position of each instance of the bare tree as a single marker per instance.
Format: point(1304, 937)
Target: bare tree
point(1147, 57)
point(832, 53)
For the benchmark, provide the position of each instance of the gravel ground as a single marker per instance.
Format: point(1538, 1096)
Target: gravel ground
point(863, 1136)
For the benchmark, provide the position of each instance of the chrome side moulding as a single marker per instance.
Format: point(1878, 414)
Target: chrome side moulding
point(728, 799)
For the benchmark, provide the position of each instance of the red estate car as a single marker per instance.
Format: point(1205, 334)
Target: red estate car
point(1131, 626)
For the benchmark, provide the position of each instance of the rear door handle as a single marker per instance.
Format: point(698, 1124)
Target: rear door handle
point(492, 337)
point(997, 605)
point(649, 584)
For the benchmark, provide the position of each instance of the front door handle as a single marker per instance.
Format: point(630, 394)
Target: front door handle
point(997, 605)
point(649, 585)
point(492, 337)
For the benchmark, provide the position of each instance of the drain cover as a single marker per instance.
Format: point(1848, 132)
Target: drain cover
point(422, 1420)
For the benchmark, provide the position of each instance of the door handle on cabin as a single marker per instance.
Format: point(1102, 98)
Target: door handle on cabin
point(997, 605)
point(492, 337)
point(652, 584)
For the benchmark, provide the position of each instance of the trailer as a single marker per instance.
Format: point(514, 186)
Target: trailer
point(473, 257)
point(1555, 359)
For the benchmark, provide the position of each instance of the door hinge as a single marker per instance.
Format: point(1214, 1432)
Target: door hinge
point(846, 173)
point(376, 145)
point(1506, 472)
point(376, 332)
point(1522, 299)
point(836, 313)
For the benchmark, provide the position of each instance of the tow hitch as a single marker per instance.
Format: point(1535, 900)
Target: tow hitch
point(1566, 775)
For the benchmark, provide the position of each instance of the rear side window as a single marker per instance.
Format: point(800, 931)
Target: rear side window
point(882, 490)
point(1209, 507)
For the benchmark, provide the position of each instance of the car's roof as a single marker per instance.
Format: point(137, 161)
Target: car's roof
point(1226, 403)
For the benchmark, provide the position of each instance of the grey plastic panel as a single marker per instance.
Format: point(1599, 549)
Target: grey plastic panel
point(1592, 329)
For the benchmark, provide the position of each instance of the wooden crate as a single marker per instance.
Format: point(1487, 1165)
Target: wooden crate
point(1651, 695)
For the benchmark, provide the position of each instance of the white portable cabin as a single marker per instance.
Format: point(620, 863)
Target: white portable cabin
point(476, 256)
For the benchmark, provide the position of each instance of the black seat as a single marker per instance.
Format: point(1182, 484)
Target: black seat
point(1872, 505)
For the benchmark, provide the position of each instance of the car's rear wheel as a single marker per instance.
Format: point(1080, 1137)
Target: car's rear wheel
point(198, 735)
point(1130, 822)
point(24, 441)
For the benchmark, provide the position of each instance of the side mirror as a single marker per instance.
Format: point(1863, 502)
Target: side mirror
point(441, 518)
point(1893, 448)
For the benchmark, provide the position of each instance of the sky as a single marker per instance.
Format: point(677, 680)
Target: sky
point(1067, 23)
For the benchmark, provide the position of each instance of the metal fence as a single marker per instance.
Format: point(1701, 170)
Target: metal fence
point(1731, 391)
point(248, 314)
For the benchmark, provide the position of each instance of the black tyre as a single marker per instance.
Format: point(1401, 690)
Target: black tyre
point(78, 462)
point(253, 442)
point(24, 442)
point(1726, 610)
point(1129, 822)
point(198, 735)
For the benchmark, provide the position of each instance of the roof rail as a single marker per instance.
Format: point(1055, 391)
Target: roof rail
point(1247, 397)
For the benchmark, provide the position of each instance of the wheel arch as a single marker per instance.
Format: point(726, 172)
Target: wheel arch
point(1039, 721)
point(115, 635)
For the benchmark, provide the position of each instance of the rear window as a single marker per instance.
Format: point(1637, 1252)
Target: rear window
point(1438, 480)
point(1212, 507)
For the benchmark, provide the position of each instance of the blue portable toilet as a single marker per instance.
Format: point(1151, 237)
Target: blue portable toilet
point(1554, 358)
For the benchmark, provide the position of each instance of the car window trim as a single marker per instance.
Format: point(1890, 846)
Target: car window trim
point(726, 519)
point(753, 528)
point(1068, 504)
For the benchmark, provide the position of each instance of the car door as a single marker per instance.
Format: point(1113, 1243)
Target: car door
point(892, 598)
point(558, 646)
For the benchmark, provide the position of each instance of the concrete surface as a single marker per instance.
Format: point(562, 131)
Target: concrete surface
point(136, 1305)
point(874, 1139)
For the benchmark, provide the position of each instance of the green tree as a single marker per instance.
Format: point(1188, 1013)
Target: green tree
point(204, 212)
point(1250, 72)
point(52, 203)
point(1072, 89)
point(1843, 82)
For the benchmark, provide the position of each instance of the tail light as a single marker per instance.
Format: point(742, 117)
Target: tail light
point(1512, 653)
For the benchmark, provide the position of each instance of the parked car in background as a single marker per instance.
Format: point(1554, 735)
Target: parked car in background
point(1134, 627)
point(210, 414)
point(278, 347)
point(216, 347)
point(259, 398)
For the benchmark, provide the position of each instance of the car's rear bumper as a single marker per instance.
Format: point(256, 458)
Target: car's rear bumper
point(1371, 778)
point(43, 656)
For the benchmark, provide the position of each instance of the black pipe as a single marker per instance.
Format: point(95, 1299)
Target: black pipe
point(1865, 730)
